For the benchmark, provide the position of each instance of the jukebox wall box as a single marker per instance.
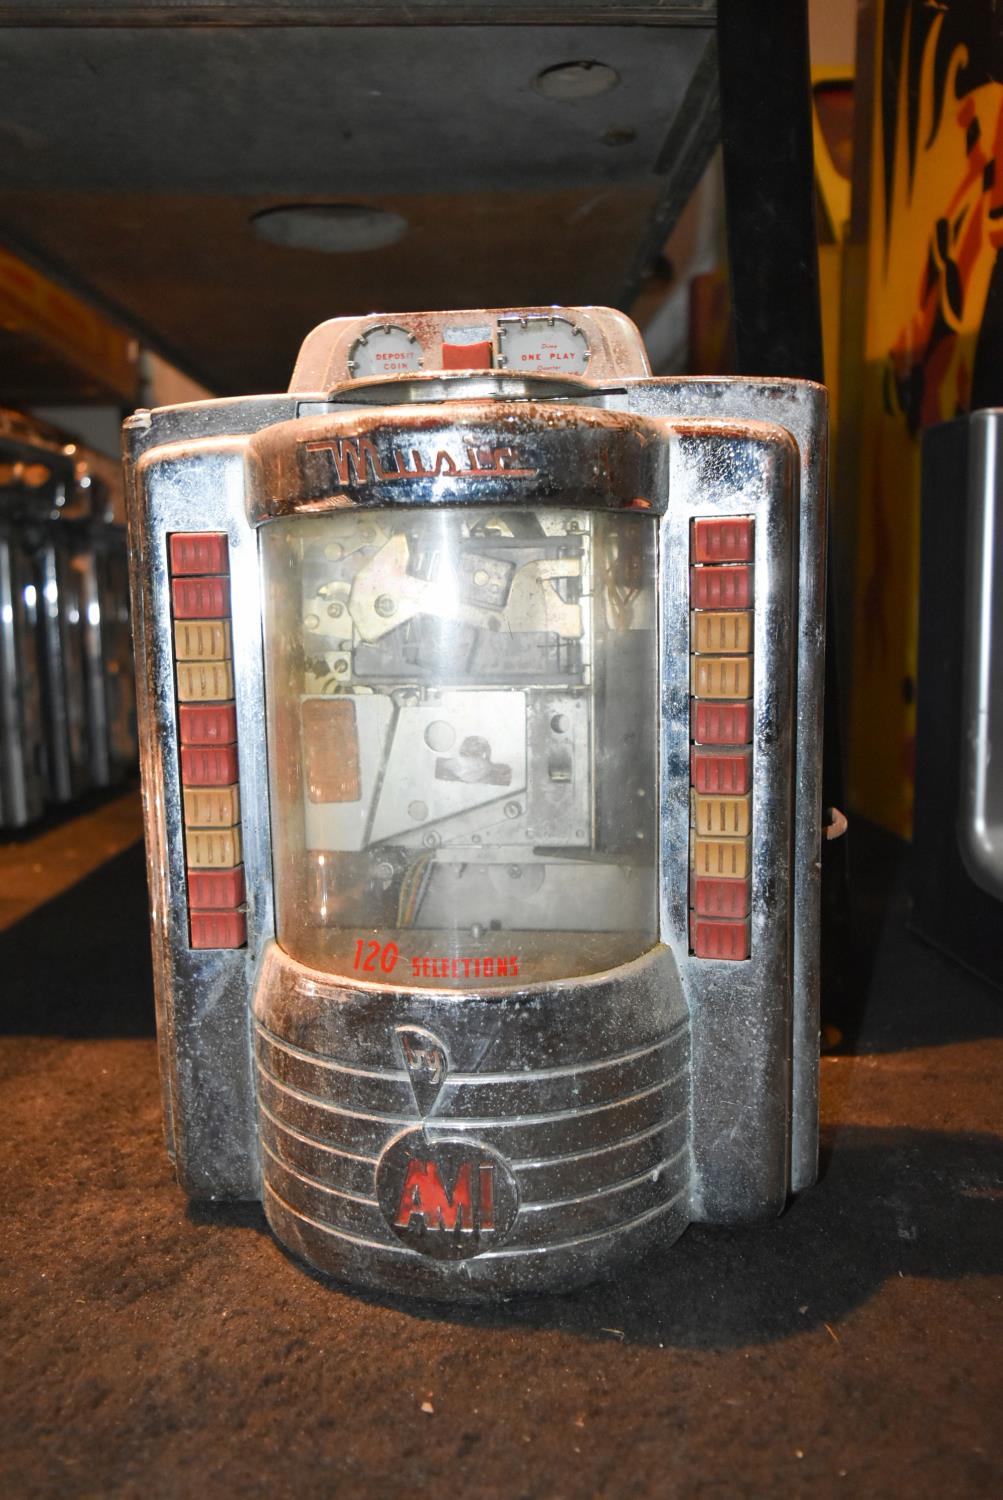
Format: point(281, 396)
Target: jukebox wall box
point(67, 716)
point(480, 698)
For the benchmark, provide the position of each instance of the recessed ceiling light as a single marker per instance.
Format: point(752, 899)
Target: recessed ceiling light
point(576, 80)
point(334, 228)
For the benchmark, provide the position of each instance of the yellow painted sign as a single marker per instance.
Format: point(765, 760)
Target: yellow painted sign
point(935, 230)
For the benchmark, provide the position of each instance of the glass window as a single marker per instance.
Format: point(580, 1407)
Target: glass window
point(462, 731)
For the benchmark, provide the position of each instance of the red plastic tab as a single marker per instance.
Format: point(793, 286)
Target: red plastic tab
point(467, 356)
point(208, 723)
point(199, 552)
point(218, 929)
point(216, 889)
point(721, 588)
point(711, 897)
point(721, 539)
point(208, 765)
point(200, 598)
point(714, 939)
point(713, 723)
point(727, 772)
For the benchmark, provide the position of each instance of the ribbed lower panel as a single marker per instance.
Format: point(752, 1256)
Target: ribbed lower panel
point(455, 1180)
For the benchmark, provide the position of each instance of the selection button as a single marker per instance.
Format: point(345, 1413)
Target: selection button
point(722, 817)
point(721, 539)
point(208, 765)
point(720, 898)
point(213, 849)
point(721, 723)
point(198, 552)
point(200, 598)
point(211, 724)
point(714, 939)
point(721, 676)
point(724, 771)
point(218, 929)
point(721, 588)
point(217, 890)
point(211, 806)
point(204, 681)
point(202, 640)
point(725, 630)
point(727, 859)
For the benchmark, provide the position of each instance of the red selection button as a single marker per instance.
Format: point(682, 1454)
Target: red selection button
point(729, 587)
point(208, 724)
point(218, 929)
point(722, 539)
point(713, 723)
point(725, 772)
point(467, 356)
point(216, 889)
point(208, 765)
point(716, 939)
point(200, 598)
point(199, 552)
point(711, 897)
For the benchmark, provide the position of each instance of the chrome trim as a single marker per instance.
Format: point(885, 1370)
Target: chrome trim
point(800, 407)
point(980, 821)
point(201, 996)
point(740, 1012)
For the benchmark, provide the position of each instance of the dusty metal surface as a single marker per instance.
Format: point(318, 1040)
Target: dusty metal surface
point(753, 1023)
point(850, 1347)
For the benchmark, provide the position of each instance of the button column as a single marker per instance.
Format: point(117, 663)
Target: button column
point(721, 717)
point(207, 734)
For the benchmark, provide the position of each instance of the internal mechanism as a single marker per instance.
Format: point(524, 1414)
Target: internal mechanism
point(476, 720)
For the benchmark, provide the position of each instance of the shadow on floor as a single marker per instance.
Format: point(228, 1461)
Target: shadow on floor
point(891, 1203)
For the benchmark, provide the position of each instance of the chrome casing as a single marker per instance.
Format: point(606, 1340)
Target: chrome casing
point(980, 816)
point(67, 717)
point(283, 1083)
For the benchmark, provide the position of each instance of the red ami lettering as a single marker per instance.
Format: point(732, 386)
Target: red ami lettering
point(425, 1196)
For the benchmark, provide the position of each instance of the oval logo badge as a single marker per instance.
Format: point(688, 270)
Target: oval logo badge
point(444, 1196)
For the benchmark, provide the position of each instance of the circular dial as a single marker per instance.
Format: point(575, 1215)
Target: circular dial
point(542, 345)
point(384, 349)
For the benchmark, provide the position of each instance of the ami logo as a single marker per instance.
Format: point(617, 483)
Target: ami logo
point(446, 1197)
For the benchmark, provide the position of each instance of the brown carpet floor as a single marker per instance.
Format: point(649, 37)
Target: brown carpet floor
point(152, 1348)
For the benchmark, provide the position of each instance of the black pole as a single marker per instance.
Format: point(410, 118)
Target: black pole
point(769, 182)
point(769, 185)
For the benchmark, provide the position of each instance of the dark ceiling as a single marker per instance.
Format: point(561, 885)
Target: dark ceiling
point(133, 156)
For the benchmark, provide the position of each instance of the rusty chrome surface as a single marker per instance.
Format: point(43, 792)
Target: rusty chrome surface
point(674, 448)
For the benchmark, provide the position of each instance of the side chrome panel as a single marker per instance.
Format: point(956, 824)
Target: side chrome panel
point(201, 996)
point(801, 408)
point(740, 1012)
